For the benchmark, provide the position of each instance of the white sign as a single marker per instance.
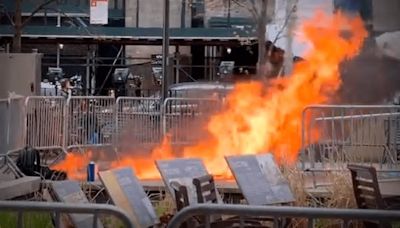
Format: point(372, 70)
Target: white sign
point(98, 12)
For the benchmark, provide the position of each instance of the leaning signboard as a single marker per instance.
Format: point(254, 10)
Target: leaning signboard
point(126, 192)
point(182, 171)
point(260, 179)
point(70, 192)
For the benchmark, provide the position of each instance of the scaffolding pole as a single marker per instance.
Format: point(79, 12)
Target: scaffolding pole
point(165, 51)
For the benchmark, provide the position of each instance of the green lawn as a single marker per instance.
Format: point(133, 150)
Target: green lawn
point(43, 220)
point(30, 220)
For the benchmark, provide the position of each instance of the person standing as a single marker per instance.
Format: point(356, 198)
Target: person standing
point(66, 88)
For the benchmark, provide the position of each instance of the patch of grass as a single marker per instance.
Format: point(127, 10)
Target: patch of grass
point(340, 190)
point(340, 195)
point(111, 222)
point(29, 219)
point(165, 206)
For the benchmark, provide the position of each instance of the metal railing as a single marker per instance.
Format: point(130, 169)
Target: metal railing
point(89, 121)
point(17, 128)
point(138, 121)
point(50, 123)
point(333, 135)
point(4, 124)
point(278, 212)
point(183, 118)
point(12, 132)
point(57, 209)
point(45, 122)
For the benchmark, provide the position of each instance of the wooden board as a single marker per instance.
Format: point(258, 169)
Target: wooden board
point(126, 193)
point(70, 192)
point(260, 179)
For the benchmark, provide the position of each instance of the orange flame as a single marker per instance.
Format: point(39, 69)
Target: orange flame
point(74, 164)
point(259, 118)
point(149, 171)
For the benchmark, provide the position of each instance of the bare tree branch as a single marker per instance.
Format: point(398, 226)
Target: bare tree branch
point(286, 22)
point(38, 8)
point(253, 6)
point(3, 10)
point(67, 16)
point(250, 9)
point(279, 34)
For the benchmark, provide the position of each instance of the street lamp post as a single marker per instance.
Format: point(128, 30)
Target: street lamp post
point(165, 51)
point(58, 45)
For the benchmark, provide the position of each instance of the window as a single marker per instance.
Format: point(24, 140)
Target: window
point(362, 7)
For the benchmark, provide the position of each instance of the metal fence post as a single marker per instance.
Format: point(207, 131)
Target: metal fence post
point(21, 207)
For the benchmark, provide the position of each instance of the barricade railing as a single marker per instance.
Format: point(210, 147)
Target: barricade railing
point(4, 124)
point(16, 123)
point(82, 121)
point(138, 121)
point(12, 132)
point(184, 118)
point(333, 135)
point(59, 209)
point(45, 122)
point(89, 121)
point(305, 217)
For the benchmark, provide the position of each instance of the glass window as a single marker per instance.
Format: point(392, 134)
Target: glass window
point(364, 7)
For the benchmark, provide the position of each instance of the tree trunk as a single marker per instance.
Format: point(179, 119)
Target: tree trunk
point(18, 27)
point(262, 66)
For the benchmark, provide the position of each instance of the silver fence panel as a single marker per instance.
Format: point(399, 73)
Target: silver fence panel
point(58, 209)
point(90, 121)
point(4, 123)
point(185, 118)
point(17, 128)
point(309, 215)
point(333, 135)
point(138, 121)
point(45, 122)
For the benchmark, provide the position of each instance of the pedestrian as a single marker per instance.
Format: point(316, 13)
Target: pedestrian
point(66, 88)
point(89, 123)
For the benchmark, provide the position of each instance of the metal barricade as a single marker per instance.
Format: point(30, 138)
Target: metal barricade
point(305, 216)
point(4, 124)
point(138, 121)
point(185, 118)
point(16, 123)
point(12, 132)
point(45, 122)
point(58, 209)
point(333, 135)
point(90, 121)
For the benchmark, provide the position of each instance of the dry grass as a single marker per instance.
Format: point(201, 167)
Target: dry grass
point(340, 190)
point(165, 207)
point(340, 195)
point(297, 181)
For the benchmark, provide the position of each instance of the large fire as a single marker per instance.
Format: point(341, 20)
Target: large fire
point(260, 118)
